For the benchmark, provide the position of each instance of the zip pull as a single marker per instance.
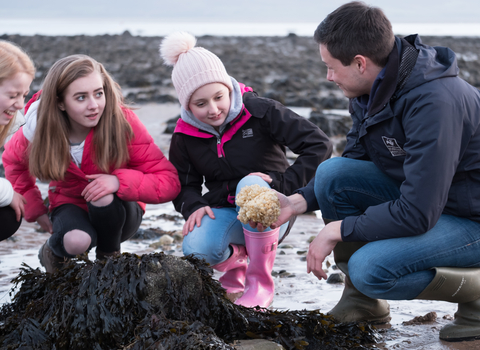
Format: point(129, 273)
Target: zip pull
point(219, 147)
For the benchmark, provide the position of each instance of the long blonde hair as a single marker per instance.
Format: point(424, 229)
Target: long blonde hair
point(13, 60)
point(50, 149)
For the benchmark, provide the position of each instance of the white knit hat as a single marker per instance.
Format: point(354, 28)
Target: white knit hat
point(193, 67)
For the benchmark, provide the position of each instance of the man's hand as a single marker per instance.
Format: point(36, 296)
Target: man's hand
point(321, 247)
point(289, 206)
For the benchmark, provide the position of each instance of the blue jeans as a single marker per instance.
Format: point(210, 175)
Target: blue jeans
point(397, 268)
point(211, 240)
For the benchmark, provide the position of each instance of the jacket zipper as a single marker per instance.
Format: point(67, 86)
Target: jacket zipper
point(357, 140)
point(219, 147)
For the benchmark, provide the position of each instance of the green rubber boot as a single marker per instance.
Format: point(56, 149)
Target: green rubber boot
point(462, 286)
point(353, 305)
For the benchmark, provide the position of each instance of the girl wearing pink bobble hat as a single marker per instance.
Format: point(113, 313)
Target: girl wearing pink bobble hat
point(228, 138)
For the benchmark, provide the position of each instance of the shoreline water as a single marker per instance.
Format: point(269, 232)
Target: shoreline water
point(141, 27)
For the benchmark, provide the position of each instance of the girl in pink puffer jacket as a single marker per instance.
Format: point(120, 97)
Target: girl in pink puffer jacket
point(101, 162)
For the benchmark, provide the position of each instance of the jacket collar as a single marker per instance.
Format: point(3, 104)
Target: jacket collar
point(384, 85)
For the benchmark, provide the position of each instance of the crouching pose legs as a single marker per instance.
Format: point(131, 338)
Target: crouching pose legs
point(75, 231)
point(225, 243)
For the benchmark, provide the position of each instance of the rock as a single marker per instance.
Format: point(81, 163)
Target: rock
point(178, 236)
point(428, 318)
point(286, 246)
point(165, 240)
point(331, 124)
point(171, 124)
point(148, 233)
point(256, 344)
point(336, 278)
point(172, 270)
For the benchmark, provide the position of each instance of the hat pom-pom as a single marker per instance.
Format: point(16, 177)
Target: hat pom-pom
point(174, 45)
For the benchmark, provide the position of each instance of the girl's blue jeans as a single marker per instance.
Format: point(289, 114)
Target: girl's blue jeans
point(397, 268)
point(211, 241)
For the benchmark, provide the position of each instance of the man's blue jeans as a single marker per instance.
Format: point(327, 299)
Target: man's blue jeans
point(211, 240)
point(397, 268)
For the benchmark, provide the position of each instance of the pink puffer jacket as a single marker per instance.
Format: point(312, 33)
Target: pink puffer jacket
point(148, 177)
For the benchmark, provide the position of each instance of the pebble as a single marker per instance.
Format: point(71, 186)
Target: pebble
point(336, 278)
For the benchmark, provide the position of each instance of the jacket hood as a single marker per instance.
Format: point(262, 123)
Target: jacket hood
point(236, 103)
point(31, 121)
point(432, 63)
point(410, 65)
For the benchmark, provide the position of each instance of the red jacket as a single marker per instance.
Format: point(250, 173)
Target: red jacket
point(148, 177)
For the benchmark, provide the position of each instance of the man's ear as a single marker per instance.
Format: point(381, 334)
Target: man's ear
point(360, 62)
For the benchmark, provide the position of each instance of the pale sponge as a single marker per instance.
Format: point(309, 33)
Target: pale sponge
point(258, 204)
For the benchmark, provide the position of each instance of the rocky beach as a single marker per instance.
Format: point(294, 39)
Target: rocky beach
point(287, 69)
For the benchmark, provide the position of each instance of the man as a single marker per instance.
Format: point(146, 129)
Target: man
point(402, 204)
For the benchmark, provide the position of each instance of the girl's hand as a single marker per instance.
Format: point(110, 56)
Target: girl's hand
point(45, 223)
point(196, 219)
point(100, 186)
point(321, 247)
point(18, 204)
point(264, 177)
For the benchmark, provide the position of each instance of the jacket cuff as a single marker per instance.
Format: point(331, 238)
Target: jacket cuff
point(308, 192)
point(6, 192)
point(347, 229)
point(276, 183)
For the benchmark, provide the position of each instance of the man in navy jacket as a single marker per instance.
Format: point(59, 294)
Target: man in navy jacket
point(402, 204)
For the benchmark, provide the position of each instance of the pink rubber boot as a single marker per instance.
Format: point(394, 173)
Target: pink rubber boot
point(233, 280)
point(259, 284)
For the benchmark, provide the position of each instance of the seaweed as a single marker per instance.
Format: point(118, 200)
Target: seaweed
point(154, 301)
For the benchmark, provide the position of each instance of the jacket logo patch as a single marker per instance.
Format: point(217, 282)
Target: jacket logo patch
point(393, 146)
point(247, 133)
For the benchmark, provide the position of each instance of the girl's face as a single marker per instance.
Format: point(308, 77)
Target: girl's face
point(12, 95)
point(210, 104)
point(84, 102)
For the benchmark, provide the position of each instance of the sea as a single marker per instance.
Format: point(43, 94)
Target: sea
point(138, 27)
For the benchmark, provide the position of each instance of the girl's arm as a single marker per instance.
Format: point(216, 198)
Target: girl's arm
point(149, 176)
point(304, 139)
point(190, 198)
point(15, 161)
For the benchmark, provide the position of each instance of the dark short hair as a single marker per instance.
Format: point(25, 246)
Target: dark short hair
point(356, 29)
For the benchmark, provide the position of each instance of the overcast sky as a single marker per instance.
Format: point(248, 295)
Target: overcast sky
point(399, 11)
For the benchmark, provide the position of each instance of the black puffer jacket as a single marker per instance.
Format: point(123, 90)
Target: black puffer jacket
point(254, 142)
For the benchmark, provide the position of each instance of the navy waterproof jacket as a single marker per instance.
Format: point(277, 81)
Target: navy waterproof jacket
point(422, 129)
